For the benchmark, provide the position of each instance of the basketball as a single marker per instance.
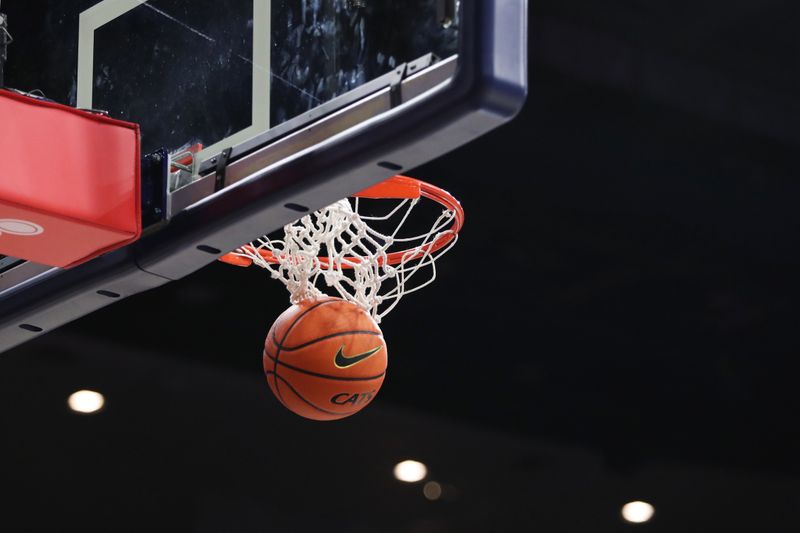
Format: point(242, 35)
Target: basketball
point(325, 359)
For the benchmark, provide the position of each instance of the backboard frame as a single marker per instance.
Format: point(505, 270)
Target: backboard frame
point(414, 118)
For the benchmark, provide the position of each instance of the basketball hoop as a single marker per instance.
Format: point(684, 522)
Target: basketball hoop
point(360, 251)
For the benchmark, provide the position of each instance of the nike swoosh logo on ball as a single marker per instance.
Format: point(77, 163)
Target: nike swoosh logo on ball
point(341, 361)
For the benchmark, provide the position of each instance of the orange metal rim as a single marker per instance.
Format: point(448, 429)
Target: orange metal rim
point(395, 188)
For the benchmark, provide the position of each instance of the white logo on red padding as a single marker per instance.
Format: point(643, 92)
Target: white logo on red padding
point(21, 228)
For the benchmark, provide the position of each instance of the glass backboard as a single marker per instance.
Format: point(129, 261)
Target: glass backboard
point(285, 105)
point(210, 73)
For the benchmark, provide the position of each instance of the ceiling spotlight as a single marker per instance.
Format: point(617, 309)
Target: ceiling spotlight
point(638, 512)
point(410, 471)
point(86, 401)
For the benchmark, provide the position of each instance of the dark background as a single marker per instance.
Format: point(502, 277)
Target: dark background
point(617, 323)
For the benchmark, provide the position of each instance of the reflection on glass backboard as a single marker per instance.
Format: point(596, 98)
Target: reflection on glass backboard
point(216, 74)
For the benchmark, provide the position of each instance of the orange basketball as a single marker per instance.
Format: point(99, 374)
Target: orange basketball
point(325, 359)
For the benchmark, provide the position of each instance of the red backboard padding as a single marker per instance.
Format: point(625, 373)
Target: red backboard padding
point(69, 182)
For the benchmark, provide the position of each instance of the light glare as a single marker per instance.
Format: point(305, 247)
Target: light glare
point(432, 491)
point(410, 471)
point(86, 401)
point(637, 512)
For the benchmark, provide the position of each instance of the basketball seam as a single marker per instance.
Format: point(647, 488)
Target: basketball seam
point(277, 388)
point(285, 335)
point(320, 409)
point(327, 337)
point(316, 374)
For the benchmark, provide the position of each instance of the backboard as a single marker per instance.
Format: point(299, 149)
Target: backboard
point(195, 72)
point(253, 108)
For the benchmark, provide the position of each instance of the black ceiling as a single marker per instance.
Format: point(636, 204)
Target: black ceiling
point(617, 323)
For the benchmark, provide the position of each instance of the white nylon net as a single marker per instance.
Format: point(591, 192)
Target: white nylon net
point(336, 250)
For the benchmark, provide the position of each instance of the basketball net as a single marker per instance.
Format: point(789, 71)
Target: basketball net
point(335, 249)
